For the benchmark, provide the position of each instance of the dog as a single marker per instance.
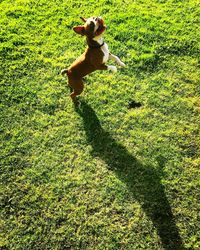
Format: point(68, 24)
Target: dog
point(94, 58)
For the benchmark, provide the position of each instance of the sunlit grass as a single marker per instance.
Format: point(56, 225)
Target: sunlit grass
point(103, 176)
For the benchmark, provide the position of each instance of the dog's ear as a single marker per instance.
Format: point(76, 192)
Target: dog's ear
point(79, 30)
point(83, 19)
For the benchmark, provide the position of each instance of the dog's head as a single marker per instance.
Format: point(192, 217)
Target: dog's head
point(93, 27)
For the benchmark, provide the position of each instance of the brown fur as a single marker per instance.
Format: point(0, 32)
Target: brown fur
point(89, 61)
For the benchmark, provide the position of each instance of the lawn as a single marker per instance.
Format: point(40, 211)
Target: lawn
point(101, 176)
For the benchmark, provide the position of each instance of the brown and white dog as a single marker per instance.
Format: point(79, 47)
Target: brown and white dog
point(94, 58)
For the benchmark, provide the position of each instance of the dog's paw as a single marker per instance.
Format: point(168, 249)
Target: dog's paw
point(122, 64)
point(112, 68)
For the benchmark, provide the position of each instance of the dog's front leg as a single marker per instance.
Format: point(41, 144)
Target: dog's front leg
point(108, 67)
point(116, 59)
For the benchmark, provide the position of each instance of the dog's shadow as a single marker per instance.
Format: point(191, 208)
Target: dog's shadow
point(142, 181)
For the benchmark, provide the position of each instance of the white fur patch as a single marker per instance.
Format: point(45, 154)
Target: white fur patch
point(104, 48)
point(92, 19)
point(105, 51)
point(112, 68)
point(117, 60)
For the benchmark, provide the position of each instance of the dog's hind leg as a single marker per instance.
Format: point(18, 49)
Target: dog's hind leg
point(71, 89)
point(63, 72)
point(77, 87)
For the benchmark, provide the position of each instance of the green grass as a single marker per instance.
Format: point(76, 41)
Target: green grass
point(102, 176)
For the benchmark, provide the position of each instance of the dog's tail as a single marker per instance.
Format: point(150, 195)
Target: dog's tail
point(64, 71)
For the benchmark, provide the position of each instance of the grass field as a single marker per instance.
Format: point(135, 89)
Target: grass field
point(102, 176)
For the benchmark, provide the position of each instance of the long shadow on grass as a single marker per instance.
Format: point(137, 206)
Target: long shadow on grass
point(142, 180)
